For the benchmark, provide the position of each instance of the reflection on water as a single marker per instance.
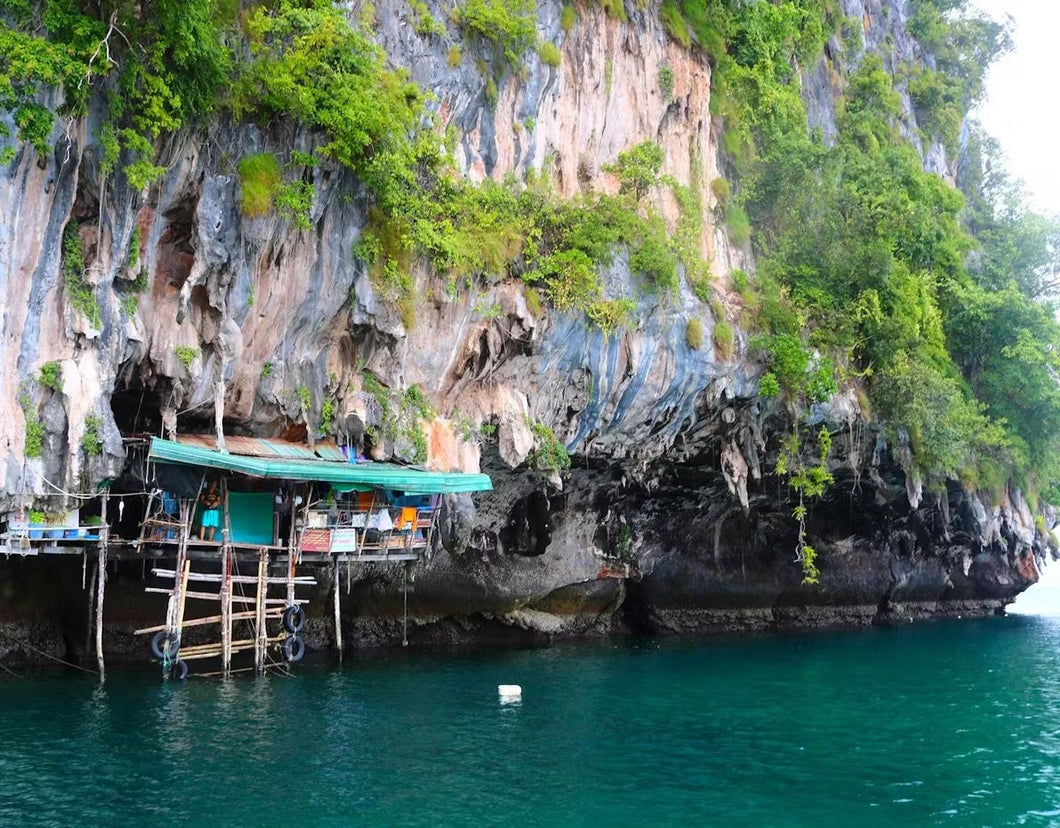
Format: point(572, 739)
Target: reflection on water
point(949, 723)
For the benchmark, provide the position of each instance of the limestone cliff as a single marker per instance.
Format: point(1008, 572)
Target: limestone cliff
point(672, 482)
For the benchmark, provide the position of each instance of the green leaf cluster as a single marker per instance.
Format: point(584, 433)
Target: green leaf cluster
point(158, 64)
point(809, 480)
point(259, 176)
point(425, 24)
point(51, 375)
point(402, 414)
point(79, 292)
point(638, 168)
point(308, 62)
point(34, 427)
point(495, 230)
point(186, 354)
point(666, 82)
point(548, 453)
point(92, 436)
point(510, 25)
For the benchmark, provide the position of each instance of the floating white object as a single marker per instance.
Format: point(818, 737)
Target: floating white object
point(509, 691)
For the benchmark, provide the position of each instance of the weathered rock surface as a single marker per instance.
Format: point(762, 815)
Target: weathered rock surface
point(672, 450)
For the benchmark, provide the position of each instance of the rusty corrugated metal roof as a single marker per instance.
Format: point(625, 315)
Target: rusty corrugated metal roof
point(200, 452)
point(261, 447)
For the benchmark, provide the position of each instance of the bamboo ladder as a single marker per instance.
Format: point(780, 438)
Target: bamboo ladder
point(264, 608)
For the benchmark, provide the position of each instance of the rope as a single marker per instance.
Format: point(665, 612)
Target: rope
point(9, 671)
point(192, 408)
point(78, 496)
point(62, 661)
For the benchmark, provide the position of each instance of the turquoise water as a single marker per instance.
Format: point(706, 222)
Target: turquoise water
point(940, 724)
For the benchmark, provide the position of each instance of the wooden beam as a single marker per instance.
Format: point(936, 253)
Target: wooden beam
point(242, 644)
point(213, 578)
point(276, 612)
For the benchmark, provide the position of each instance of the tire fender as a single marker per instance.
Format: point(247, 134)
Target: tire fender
point(293, 648)
point(294, 619)
point(159, 642)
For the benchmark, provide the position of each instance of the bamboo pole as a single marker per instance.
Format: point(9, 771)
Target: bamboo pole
point(236, 599)
point(294, 542)
point(147, 517)
point(209, 577)
point(259, 645)
point(248, 615)
point(337, 587)
point(226, 611)
point(183, 595)
point(226, 590)
point(186, 511)
point(101, 580)
point(91, 608)
point(241, 644)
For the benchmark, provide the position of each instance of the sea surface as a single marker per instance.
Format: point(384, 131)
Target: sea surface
point(950, 723)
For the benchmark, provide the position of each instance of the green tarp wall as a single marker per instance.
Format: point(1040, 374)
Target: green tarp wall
point(251, 517)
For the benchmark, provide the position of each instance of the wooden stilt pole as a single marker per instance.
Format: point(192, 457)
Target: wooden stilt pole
point(175, 607)
point(293, 544)
point(292, 562)
point(405, 600)
point(91, 608)
point(226, 610)
point(183, 588)
point(101, 580)
point(260, 639)
point(143, 524)
point(337, 586)
point(226, 590)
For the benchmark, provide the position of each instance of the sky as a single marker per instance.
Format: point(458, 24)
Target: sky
point(1020, 108)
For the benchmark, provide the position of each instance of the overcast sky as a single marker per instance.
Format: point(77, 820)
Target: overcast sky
point(1021, 108)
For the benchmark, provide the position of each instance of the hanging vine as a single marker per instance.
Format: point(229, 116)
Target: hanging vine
point(809, 480)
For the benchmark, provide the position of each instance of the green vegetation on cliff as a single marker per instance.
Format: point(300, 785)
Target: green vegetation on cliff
point(869, 267)
point(157, 63)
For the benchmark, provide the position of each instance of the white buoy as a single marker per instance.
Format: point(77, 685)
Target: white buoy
point(509, 692)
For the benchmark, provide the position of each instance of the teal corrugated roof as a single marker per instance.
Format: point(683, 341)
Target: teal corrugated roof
point(376, 475)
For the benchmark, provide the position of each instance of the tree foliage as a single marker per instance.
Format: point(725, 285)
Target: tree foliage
point(157, 64)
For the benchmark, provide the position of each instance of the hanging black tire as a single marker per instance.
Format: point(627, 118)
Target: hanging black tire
point(293, 648)
point(158, 645)
point(179, 670)
point(294, 619)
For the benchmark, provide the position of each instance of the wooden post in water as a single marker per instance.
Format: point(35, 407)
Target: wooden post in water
point(91, 609)
point(226, 610)
point(260, 638)
point(101, 580)
point(338, 616)
point(185, 572)
point(175, 607)
point(226, 591)
point(292, 545)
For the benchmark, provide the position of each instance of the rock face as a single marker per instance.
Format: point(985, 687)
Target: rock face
point(670, 518)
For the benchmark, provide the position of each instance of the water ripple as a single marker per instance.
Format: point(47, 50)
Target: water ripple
point(870, 727)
